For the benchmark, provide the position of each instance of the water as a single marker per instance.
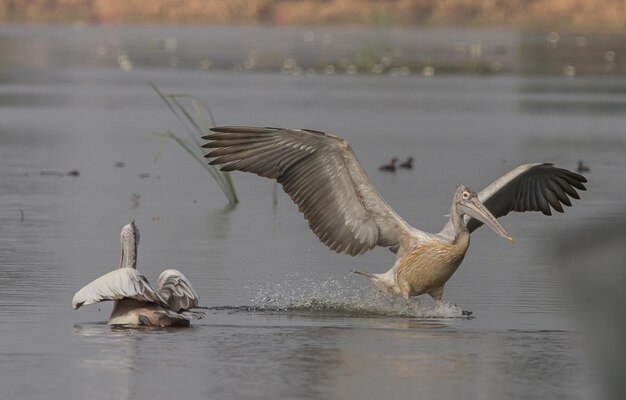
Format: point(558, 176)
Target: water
point(287, 319)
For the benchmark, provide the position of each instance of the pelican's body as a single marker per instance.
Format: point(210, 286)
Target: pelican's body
point(427, 268)
point(323, 177)
point(135, 302)
point(133, 312)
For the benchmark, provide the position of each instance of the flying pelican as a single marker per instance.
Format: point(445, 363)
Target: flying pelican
point(323, 177)
point(136, 303)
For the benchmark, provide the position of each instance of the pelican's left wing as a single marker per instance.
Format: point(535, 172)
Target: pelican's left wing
point(529, 187)
point(116, 285)
point(322, 176)
point(175, 290)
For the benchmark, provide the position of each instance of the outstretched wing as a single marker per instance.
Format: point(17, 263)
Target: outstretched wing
point(116, 285)
point(322, 176)
point(175, 290)
point(531, 187)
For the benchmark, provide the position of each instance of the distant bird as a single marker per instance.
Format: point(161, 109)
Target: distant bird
point(136, 303)
point(323, 177)
point(408, 164)
point(73, 172)
point(391, 167)
point(582, 167)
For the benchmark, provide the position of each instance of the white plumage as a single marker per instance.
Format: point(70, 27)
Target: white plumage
point(136, 302)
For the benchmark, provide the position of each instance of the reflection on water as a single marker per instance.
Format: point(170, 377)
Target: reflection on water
point(111, 370)
point(314, 362)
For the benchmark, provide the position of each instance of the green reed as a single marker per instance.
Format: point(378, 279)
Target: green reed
point(196, 124)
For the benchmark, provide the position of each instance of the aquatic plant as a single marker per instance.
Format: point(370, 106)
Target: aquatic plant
point(196, 124)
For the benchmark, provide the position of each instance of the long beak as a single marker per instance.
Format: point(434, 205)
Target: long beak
point(476, 209)
point(121, 256)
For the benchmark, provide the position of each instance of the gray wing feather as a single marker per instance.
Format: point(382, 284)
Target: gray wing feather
point(176, 291)
point(531, 187)
point(322, 176)
point(116, 285)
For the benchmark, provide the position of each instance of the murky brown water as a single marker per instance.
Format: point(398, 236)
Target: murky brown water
point(63, 108)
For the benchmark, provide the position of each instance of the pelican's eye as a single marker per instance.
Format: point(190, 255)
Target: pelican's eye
point(466, 195)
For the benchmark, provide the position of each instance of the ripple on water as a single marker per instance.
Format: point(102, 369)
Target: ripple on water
point(344, 297)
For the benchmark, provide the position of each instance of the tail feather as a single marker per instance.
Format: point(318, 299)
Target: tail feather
point(367, 274)
point(384, 281)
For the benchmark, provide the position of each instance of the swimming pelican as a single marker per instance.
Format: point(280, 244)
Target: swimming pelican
point(323, 177)
point(135, 302)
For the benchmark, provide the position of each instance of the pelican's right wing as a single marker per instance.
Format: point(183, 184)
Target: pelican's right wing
point(322, 176)
point(175, 290)
point(116, 285)
point(529, 187)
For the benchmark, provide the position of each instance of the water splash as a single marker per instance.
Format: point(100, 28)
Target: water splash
point(345, 296)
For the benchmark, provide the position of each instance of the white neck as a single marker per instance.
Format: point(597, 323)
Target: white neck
point(129, 254)
point(456, 217)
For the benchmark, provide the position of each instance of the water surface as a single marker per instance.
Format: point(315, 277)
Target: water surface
point(288, 319)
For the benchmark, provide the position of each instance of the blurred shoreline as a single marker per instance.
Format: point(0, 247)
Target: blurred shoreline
point(534, 15)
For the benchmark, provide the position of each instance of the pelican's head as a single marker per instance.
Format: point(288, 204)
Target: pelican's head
point(129, 240)
point(468, 203)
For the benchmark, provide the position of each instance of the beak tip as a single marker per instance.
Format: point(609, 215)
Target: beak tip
point(510, 239)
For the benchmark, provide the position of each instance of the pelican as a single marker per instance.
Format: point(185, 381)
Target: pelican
point(323, 177)
point(135, 302)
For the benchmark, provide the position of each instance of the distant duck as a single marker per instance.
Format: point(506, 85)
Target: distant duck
point(391, 167)
point(582, 167)
point(408, 164)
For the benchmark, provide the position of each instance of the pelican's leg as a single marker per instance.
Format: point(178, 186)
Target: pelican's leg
point(437, 294)
point(415, 305)
point(411, 303)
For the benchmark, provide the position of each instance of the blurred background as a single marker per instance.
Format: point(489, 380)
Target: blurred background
point(102, 104)
point(541, 14)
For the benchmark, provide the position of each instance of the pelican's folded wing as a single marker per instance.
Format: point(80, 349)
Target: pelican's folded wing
point(116, 285)
point(322, 176)
point(175, 290)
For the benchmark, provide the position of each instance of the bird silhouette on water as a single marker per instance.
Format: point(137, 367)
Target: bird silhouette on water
point(390, 167)
point(582, 167)
point(408, 164)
